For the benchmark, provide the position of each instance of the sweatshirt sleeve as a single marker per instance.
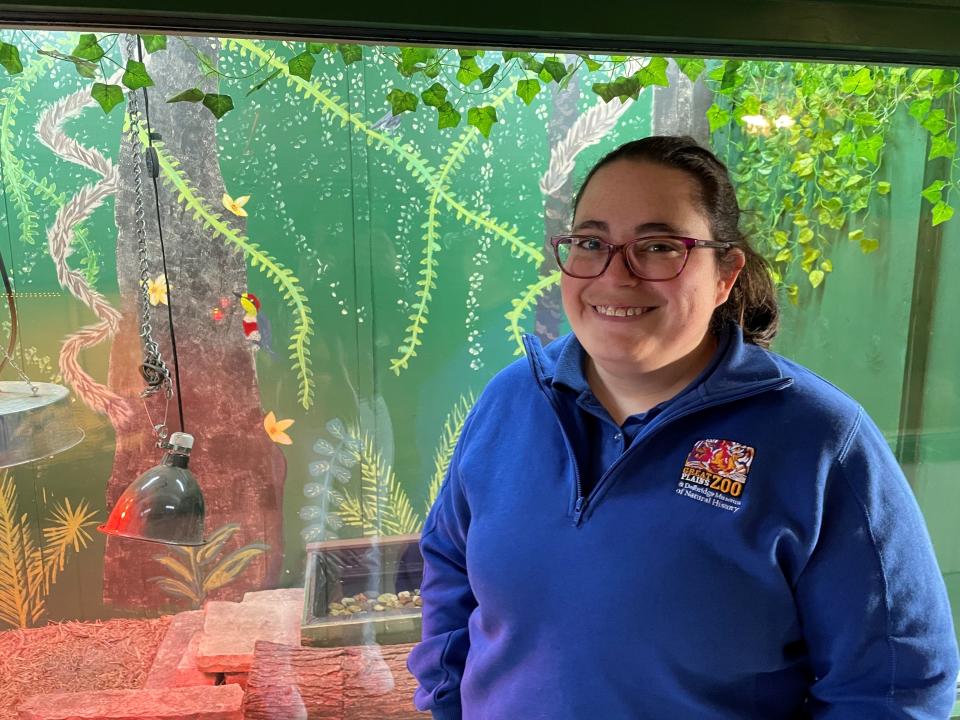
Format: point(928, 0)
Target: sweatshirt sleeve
point(438, 660)
point(871, 598)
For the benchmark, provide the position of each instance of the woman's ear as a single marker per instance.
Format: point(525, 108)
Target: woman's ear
point(728, 270)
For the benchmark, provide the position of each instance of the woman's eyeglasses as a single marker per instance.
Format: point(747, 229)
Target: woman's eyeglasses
point(654, 258)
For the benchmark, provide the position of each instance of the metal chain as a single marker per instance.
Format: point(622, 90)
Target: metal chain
point(23, 376)
point(154, 370)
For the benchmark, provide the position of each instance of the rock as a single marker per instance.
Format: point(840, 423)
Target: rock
point(293, 595)
point(230, 631)
point(175, 664)
point(206, 702)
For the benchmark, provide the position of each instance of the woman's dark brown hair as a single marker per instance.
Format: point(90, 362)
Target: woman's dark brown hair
point(753, 300)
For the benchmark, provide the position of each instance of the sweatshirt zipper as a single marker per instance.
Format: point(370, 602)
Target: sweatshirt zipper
point(581, 505)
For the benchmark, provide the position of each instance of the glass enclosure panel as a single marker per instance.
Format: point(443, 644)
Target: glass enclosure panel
point(344, 281)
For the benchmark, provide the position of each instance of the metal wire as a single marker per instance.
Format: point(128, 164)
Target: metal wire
point(153, 369)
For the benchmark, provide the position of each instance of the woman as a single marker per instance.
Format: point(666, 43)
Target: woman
point(656, 517)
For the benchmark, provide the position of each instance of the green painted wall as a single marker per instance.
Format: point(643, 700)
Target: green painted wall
point(347, 217)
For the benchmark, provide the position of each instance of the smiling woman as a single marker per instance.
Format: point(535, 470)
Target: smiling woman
point(663, 394)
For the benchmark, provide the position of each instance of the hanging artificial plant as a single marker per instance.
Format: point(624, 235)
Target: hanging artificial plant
point(806, 144)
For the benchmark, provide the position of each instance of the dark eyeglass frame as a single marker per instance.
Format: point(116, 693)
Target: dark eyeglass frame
point(688, 243)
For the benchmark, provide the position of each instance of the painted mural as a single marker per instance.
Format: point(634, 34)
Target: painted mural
point(344, 273)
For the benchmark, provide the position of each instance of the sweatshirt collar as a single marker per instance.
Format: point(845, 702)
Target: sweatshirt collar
point(735, 366)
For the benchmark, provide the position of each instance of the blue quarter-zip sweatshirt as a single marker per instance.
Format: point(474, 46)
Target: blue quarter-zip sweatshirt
point(754, 554)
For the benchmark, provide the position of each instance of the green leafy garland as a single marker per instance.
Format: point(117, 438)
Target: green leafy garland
point(806, 144)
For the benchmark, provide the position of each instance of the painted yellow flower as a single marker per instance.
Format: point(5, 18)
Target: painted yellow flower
point(275, 429)
point(236, 206)
point(157, 290)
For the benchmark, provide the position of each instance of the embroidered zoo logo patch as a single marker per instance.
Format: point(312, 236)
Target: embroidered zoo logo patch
point(715, 473)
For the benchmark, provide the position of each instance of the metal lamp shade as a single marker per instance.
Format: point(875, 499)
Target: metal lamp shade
point(163, 505)
point(37, 425)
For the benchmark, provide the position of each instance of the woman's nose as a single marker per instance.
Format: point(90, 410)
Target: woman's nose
point(619, 271)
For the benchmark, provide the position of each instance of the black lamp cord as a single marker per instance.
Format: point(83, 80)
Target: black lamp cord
point(11, 303)
point(154, 168)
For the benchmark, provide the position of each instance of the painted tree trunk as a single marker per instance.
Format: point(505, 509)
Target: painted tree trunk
point(557, 210)
point(681, 108)
point(239, 468)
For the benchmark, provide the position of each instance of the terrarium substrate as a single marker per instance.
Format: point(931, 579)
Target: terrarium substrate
point(75, 657)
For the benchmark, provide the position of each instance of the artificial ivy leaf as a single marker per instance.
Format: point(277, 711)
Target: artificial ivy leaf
point(449, 116)
point(469, 70)
point(816, 277)
point(191, 95)
point(531, 63)
point(780, 238)
point(10, 58)
point(691, 67)
point(942, 146)
point(469, 53)
point(263, 82)
point(793, 294)
point(846, 146)
point(653, 73)
point(414, 59)
point(803, 165)
point(88, 48)
point(827, 265)
point(623, 88)
point(869, 149)
point(527, 90)
point(868, 245)
point(302, 65)
point(591, 64)
point(509, 55)
point(731, 78)
point(883, 188)
point(555, 68)
point(809, 257)
point(855, 235)
point(932, 191)
point(717, 117)
point(936, 122)
point(487, 76)
point(482, 118)
point(859, 83)
point(350, 53)
point(206, 65)
point(785, 255)
point(919, 109)
point(152, 43)
point(864, 119)
point(941, 213)
point(108, 96)
point(219, 105)
point(136, 76)
point(401, 101)
point(435, 95)
point(319, 47)
point(805, 236)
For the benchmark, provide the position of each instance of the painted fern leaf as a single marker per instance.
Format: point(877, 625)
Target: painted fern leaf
point(21, 576)
point(523, 304)
point(281, 276)
point(68, 529)
point(449, 437)
point(383, 507)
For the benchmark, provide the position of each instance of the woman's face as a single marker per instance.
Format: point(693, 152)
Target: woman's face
point(626, 200)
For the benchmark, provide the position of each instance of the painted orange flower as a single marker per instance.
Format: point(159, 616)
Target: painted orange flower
point(157, 290)
point(236, 206)
point(275, 429)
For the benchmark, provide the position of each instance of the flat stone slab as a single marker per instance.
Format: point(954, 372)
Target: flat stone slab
point(231, 630)
point(285, 595)
point(208, 702)
point(176, 662)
